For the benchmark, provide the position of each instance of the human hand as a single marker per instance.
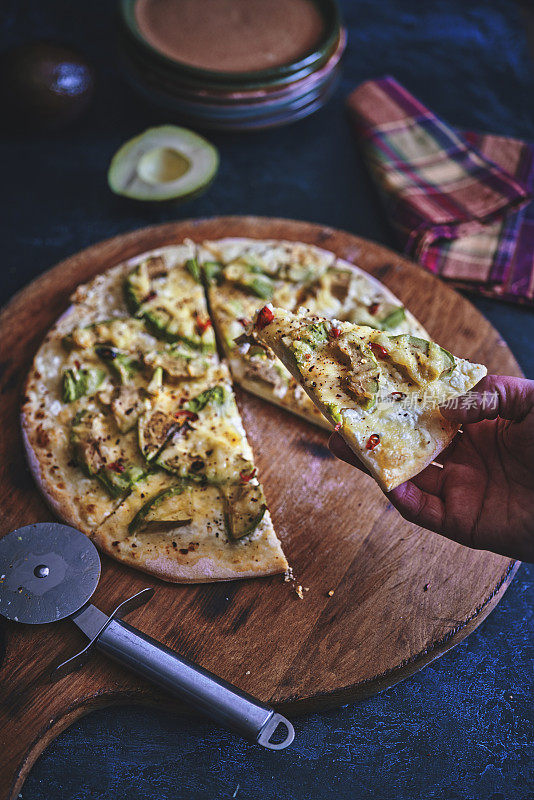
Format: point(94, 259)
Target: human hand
point(484, 495)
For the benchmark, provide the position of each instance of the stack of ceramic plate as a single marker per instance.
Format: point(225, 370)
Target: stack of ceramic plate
point(234, 100)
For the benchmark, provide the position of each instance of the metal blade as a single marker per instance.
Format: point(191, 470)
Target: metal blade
point(89, 620)
point(47, 572)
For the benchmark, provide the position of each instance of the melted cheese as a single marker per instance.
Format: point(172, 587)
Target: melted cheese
point(403, 419)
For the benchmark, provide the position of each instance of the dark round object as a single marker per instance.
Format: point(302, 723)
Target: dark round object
point(47, 572)
point(44, 85)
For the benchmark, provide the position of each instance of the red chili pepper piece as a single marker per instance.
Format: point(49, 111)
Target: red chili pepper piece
point(337, 427)
point(373, 308)
point(335, 332)
point(247, 476)
point(372, 441)
point(265, 315)
point(202, 324)
point(150, 296)
point(116, 466)
point(185, 414)
point(77, 364)
point(378, 350)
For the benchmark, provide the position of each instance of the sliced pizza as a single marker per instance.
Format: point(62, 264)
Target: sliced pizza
point(381, 392)
point(127, 394)
point(241, 274)
point(200, 514)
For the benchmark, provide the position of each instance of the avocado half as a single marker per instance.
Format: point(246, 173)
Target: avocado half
point(164, 163)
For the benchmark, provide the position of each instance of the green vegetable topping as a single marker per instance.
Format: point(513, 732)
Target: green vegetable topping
point(393, 319)
point(118, 480)
point(212, 271)
point(316, 334)
point(302, 351)
point(137, 287)
point(123, 365)
point(250, 278)
point(244, 508)
point(262, 287)
point(156, 382)
point(335, 412)
point(420, 359)
point(80, 382)
point(193, 268)
point(215, 394)
point(158, 511)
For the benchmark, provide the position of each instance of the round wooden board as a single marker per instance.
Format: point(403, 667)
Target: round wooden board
point(402, 596)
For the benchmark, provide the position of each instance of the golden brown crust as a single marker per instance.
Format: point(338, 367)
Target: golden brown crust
point(59, 500)
point(205, 570)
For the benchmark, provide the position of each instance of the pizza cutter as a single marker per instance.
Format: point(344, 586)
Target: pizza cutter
point(48, 572)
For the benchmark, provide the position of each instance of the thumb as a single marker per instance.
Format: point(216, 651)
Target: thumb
point(494, 396)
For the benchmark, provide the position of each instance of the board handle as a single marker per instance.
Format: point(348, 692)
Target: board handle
point(206, 692)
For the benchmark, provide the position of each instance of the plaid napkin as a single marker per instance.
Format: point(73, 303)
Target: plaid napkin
point(459, 201)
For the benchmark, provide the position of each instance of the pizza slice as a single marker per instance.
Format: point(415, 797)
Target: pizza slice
point(241, 274)
point(176, 530)
point(200, 513)
point(381, 392)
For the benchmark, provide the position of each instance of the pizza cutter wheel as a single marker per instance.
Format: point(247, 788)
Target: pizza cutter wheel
point(49, 572)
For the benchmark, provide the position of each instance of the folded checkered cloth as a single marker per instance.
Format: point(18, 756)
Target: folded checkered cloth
point(459, 201)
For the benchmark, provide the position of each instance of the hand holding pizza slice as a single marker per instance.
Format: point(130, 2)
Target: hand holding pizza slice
point(381, 393)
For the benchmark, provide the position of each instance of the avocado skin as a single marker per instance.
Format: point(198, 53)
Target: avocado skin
point(44, 85)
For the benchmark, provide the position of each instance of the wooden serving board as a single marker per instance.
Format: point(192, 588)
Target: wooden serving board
point(402, 596)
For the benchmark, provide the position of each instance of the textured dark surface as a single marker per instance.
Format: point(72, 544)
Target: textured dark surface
point(463, 728)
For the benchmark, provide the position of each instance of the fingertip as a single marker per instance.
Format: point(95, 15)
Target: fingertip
point(337, 445)
point(494, 396)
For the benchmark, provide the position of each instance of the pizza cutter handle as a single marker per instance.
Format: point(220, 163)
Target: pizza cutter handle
point(206, 692)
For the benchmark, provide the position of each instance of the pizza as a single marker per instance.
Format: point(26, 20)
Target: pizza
point(133, 433)
point(242, 274)
point(129, 416)
point(381, 391)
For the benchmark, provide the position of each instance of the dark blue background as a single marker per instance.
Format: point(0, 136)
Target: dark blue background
point(463, 728)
